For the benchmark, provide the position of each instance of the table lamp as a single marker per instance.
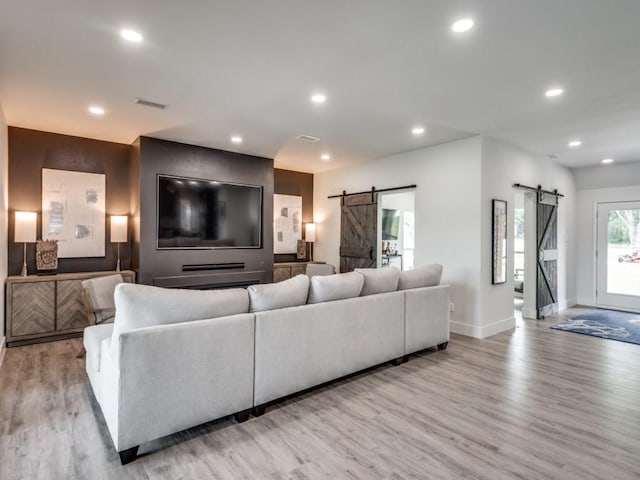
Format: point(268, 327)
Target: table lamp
point(310, 236)
point(118, 233)
point(25, 232)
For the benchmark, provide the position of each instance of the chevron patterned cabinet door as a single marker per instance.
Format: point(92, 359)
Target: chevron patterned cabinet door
point(46, 308)
point(33, 308)
point(69, 306)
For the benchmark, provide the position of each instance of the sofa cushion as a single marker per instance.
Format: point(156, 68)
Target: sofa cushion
point(335, 287)
point(92, 338)
point(379, 280)
point(271, 296)
point(143, 306)
point(424, 276)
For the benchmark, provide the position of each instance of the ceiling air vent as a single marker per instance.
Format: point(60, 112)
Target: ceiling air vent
point(148, 103)
point(552, 156)
point(307, 138)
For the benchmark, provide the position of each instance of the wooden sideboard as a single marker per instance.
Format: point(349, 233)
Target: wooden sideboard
point(286, 270)
point(48, 307)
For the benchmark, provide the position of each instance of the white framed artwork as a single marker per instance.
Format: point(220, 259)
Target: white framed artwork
point(287, 223)
point(73, 212)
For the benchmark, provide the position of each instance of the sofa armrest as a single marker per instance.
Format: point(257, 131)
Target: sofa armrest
point(176, 376)
point(426, 317)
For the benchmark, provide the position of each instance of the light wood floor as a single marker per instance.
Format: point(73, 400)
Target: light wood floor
point(532, 403)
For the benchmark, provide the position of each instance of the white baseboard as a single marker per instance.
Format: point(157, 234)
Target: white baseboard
point(498, 327)
point(464, 329)
point(586, 301)
point(3, 347)
point(569, 302)
point(484, 331)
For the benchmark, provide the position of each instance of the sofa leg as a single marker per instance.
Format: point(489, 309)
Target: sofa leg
point(242, 416)
point(128, 455)
point(443, 346)
point(400, 360)
point(259, 410)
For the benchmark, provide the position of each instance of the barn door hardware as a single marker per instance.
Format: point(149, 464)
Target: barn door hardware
point(373, 191)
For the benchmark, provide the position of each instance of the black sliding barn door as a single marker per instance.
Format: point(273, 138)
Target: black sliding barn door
point(547, 269)
point(358, 231)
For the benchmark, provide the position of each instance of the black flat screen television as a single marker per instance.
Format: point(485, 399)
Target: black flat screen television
point(207, 214)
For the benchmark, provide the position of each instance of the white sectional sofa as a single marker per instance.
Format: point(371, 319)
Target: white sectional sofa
point(174, 359)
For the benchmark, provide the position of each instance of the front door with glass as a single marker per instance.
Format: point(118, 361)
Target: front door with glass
point(618, 255)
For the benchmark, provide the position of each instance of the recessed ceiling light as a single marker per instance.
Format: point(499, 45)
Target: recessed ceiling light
point(575, 143)
point(607, 161)
point(417, 130)
point(96, 110)
point(318, 98)
point(463, 25)
point(325, 157)
point(236, 139)
point(553, 92)
point(131, 35)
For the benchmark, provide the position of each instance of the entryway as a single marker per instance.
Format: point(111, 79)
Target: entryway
point(618, 255)
point(518, 252)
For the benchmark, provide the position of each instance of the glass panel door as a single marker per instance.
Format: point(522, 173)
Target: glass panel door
point(618, 255)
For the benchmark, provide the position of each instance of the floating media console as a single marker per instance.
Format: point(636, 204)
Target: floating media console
point(213, 280)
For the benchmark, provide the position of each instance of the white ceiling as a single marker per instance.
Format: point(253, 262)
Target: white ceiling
point(249, 67)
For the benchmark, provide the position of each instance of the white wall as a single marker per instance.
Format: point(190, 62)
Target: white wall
point(456, 182)
point(4, 197)
point(502, 166)
point(447, 213)
point(607, 176)
point(586, 230)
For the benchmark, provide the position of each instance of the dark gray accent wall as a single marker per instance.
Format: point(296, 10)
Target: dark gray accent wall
point(29, 152)
point(152, 157)
point(288, 182)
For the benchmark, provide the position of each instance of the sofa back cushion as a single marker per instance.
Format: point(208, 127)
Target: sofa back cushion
point(379, 280)
point(140, 306)
point(335, 287)
point(271, 296)
point(424, 276)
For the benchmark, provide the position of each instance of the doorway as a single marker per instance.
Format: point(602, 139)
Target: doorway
point(396, 227)
point(518, 252)
point(618, 255)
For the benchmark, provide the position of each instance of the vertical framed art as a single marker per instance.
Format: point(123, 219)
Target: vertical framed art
point(499, 241)
point(287, 223)
point(73, 212)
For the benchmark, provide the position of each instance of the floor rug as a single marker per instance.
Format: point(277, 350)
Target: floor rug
point(611, 324)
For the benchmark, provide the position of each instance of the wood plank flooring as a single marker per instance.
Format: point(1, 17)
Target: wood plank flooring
point(531, 403)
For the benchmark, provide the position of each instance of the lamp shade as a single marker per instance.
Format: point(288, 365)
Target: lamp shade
point(119, 228)
point(25, 228)
point(310, 232)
